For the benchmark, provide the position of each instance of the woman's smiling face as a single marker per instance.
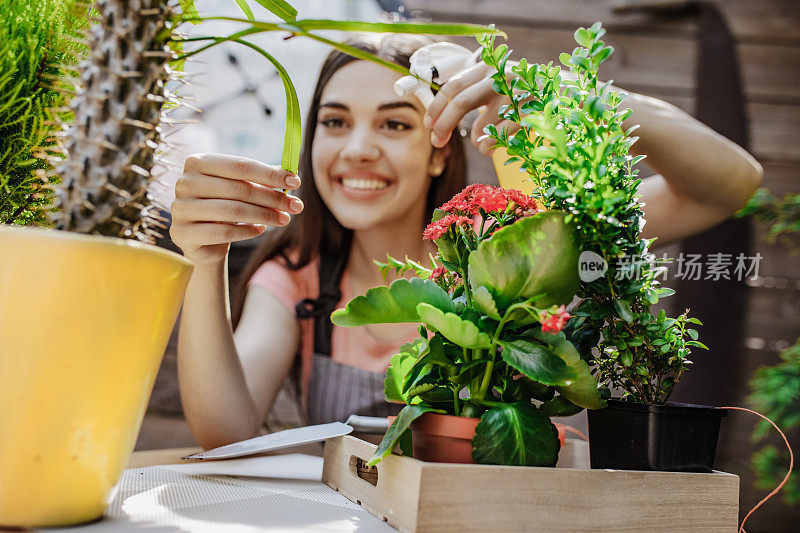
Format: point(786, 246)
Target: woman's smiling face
point(372, 157)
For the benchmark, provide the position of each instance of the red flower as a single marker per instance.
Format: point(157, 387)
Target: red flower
point(436, 229)
point(490, 199)
point(438, 273)
point(554, 320)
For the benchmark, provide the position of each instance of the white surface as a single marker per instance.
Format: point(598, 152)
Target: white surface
point(276, 441)
point(277, 493)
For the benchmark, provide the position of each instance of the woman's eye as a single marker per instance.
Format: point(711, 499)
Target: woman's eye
point(396, 125)
point(333, 122)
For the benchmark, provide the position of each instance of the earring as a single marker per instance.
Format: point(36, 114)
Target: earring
point(437, 171)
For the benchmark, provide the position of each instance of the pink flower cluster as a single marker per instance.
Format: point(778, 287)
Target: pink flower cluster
point(490, 199)
point(554, 320)
point(438, 228)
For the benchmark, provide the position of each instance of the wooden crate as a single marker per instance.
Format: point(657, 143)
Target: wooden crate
point(412, 495)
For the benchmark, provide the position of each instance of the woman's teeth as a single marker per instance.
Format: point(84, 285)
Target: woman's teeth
point(363, 184)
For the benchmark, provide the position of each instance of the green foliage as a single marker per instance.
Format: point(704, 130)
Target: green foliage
point(782, 214)
point(572, 144)
point(396, 303)
point(535, 256)
point(515, 259)
point(776, 394)
point(515, 434)
point(38, 49)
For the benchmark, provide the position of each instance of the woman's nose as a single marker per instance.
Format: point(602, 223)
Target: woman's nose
point(360, 146)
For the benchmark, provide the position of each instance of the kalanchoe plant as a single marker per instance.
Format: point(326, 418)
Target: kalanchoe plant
point(490, 317)
point(572, 144)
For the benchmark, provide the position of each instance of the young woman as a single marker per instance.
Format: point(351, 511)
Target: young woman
point(372, 173)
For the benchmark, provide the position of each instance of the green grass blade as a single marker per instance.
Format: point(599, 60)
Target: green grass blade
point(190, 11)
point(392, 27)
point(245, 9)
point(291, 139)
point(281, 8)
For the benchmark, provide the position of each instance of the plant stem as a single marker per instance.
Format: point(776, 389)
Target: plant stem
point(456, 405)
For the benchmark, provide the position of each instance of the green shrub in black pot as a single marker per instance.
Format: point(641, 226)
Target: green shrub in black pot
point(573, 146)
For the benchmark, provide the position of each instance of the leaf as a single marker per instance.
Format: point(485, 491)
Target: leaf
point(291, 138)
point(245, 9)
point(624, 310)
point(404, 419)
point(516, 435)
point(278, 7)
point(583, 390)
point(189, 11)
point(399, 366)
point(559, 406)
point(534, 256)
point(483, 300)
point(393, 27)
point(453, 327)
point(395, 303)
point(537, 362)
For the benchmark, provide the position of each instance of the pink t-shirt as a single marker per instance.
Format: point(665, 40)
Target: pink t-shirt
point(350, 346)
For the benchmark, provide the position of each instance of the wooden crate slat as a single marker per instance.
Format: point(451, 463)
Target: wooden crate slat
point(416, 496)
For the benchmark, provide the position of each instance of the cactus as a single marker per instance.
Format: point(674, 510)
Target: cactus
point(112, 143)
point(39, 48)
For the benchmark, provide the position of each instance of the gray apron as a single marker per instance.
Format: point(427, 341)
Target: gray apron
point(336, 391)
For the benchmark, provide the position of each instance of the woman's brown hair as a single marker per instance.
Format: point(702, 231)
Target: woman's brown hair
point(316, 226)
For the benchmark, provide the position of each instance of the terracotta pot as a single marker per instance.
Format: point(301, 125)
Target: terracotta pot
point(448, 439)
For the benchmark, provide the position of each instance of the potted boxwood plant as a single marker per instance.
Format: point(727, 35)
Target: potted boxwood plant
point(574, 148)
point(86, 312)
point(491, 364)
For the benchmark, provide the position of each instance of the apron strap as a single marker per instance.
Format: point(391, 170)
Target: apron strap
point(331, 269)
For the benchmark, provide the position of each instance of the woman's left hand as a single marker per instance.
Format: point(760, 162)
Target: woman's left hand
point(468, 90)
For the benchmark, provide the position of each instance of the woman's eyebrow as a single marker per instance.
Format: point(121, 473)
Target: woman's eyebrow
point(396, 105)
point(334, 105)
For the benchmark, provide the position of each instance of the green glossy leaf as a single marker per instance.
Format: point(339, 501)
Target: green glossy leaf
point(537, 362)
point(559, 406)
point(483, 300)
point(517, 435)
point(583, 390)
point(424, 383)
point(399, 365)
point(398, 427)
point(624, 310)
point(279, 7)
point(396, 303)
point(453, 327)
point(534, 256)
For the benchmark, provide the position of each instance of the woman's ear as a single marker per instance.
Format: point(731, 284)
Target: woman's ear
point(438, 161)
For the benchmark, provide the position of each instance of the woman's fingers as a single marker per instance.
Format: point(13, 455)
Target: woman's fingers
point(211, 234)
point(227, 211)
point(241, 168)
point(469, 90)
point(201, 186)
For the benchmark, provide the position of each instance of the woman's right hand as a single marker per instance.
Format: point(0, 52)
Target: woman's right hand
point(221, 198)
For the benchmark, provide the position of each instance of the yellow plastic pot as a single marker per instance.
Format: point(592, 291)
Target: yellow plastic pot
point(84, 322)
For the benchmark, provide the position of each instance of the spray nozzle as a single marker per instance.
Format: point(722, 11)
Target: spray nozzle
point(436, 62)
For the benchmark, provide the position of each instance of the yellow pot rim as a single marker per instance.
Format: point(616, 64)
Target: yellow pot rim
point(39, 233)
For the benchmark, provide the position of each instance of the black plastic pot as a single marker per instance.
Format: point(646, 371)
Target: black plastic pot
point(675, 437)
